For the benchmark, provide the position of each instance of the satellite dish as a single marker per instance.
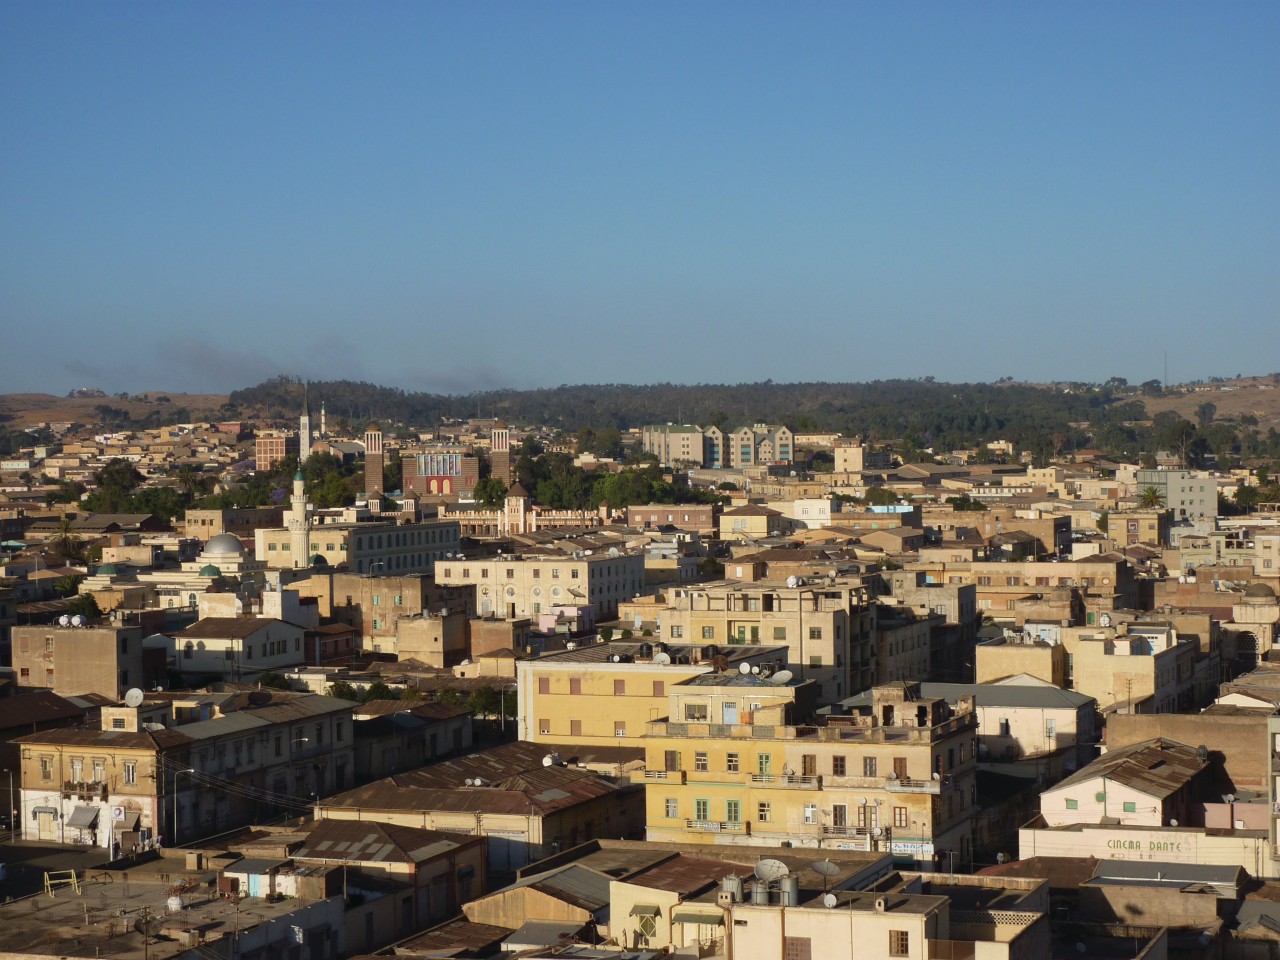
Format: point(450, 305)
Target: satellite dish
point(77, 620)
point(744, 668)
point(64, 620)
point(878, 832)
point(756, 671)
point(829, 900)
point(134, 698)
point(1229, 798)
point(662, 659)
point(1173, 823)
point(826, 868)
point(782, 676)
point(937, 775)
point(616, 658)
point(862, 801)
point(771, 870)
point(548, 760)
point(793, 582)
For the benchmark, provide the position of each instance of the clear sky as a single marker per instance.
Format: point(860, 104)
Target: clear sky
point(460, 196)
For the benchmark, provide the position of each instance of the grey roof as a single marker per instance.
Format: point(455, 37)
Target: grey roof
point(255, 865)
point(1181, 876)
point(574, 884)
point(991, 695)
point(544, 933)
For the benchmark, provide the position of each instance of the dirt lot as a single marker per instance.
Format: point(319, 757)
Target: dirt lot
point(1259, 396)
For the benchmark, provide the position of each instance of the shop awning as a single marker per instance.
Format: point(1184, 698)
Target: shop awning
point(128, 824)
point(708, 916)
point(83, 817)
point(644, 910)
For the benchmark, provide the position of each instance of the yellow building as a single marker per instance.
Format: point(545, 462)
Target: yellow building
point(826, 623)
point(605, 693)
point(523, 586)
point(899, 777)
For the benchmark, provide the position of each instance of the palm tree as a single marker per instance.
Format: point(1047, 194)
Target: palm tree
point(1151, 498)
point(66, 541)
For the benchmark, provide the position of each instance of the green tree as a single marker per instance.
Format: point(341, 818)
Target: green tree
point(68, 586)
point(378, 691)
point(115, 482)
point(484, 702)
point(273, 681)
point(1150, 498)
point(1205, 412)
point(1104, 521)
point(86, 605)
point(66, 542)
point(343, 691)
point(491, 492)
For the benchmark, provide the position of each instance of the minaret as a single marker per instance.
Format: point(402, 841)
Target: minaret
point(299, 524)
point(304, 428)
point(324, 427)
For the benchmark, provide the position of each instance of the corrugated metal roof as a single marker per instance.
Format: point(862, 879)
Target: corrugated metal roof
point(991, 695)
point(1156, 767)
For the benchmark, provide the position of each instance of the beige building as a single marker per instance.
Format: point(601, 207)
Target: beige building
point(826, 623)
point(365, 547)
point(603, 694)
point(897, 777)
point(104, 659)
point(525, 586)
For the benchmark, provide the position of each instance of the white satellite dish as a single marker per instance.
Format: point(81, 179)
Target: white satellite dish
point(862, 801)
point(744, 668)
point(1173, 823)
point(64, 620)
point(878, 832)
point(134, 698)
point(662, 659)
point(771, 870)
point(782, 676)
point(793, 582)
point(548, 761)
point(826, 868)
point(829, 900)
point(756, 671)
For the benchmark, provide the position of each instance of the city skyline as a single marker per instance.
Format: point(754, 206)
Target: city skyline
point(452, 198)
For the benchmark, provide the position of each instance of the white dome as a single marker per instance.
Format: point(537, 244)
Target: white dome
point(223, 544)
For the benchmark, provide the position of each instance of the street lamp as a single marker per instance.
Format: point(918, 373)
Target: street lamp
point(176, 775)
point(502, 704)
point(13, 813)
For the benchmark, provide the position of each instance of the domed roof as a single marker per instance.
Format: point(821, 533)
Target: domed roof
point(209, 570)
point(225, 544)
point(1259, 590)
point(108, 570)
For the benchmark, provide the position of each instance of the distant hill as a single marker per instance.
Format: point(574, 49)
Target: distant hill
point(28, 409)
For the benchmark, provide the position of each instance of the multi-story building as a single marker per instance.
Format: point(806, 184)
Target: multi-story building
point(1189, 495)
point(143, 775)
point(439, 470)
point(236, 648)
point(761, 443)
point(105, 659)
point(897, 776)
point(271, 447)
point(685, 516)
point(605, 693)
point(364, 547)
point(853, 456)
point(374, 605)
point(239, 521)
point(826, 623)
point(683, 444)
point(527, 585)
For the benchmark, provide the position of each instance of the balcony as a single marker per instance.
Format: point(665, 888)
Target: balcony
point(787, 781)
point(718, 826)
point(844, 830)
point(91, 789)
point(670, 776)
point(915, 786)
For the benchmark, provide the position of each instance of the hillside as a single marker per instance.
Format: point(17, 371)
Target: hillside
point(19, 410)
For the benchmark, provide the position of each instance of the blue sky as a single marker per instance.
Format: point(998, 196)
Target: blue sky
point(460, 196)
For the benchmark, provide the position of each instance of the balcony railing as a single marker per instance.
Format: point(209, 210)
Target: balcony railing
point(671, 776)
point(788, 781)
point(718, 826)
point(87, 788)
point(844, 830)
point(915, 786)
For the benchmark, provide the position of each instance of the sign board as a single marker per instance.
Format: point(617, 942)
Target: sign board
point(117, 812)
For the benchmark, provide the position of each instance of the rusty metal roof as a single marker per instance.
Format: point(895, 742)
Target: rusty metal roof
point(371, 842)
point(1156, 767)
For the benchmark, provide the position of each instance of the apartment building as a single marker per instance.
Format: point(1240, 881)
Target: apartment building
point(236, 648)
point(1189, 495)
point(240, 522)
point(760, 443)
point(374, 605)
point(683, 444)
point(269, 448)
point(897, 776)
point(105, 659)
point(527, 585)
point(853, 456)
point(603, 694)
point(364, 547)
point(1103, 582)
point(826, 623)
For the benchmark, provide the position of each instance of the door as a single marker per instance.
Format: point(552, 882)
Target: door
point(839, 815)
point(47, 825)
point(730, 712)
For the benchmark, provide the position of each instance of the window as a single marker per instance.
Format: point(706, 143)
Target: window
point(1073, 804)
point(619, 688)
point(780, 633)
point(797, 948)
point(733, 811)
point(695, 712)
point(77, 770)
point(46, 768)
point(130, 772)
point(899, 943)
point(1130, 806)
point(677, 633)
point(377, 600)
point(1004, 727)
point(708, 633)
point(544, 684)
point(544, 726)
point(815, 661)
point(815, 633)
point(900, 768)
point(673, 808)
point(764, 764)
point(868, 766)
point(900, 816)
point(762, 811)
point(731, 762)
point(702, 810)
point(810, 813)
point(117, 723)
point(671, 761)
point(659, 688)
point(837, 766)
point(619, 728)
point(700, 761)
point(575, 686)
point(99, 770)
